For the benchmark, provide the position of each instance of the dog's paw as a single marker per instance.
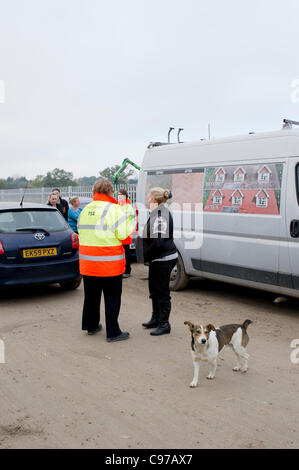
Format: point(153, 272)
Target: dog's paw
point(193, 384)
point(210, 377)
point(236, 369)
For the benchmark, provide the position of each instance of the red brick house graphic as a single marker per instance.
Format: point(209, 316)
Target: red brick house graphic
point(217, 196)
point(263, 174)
point(237, 198)
point(261, 198)
point(220, 175)
point(239, 175)
point(247, 201)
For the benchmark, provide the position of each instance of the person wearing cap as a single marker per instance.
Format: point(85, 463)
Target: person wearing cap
point(102, 227)
point(161, 254)
point(124, 201)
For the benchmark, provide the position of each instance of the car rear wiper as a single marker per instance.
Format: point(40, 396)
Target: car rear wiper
point(33, 229)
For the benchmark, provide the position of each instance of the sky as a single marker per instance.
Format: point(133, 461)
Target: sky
point(90, 82)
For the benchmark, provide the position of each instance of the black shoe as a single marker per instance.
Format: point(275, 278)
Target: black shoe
point(93, 332)
point(121, 337)
point(153, 322)
point(163, 329)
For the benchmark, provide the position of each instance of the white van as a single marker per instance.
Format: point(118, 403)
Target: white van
point(247, 189)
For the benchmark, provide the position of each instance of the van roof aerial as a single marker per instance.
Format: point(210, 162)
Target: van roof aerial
point(288, 124)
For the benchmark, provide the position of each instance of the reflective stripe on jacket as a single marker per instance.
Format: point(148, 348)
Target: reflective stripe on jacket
point(129, 210)
point(102, 226)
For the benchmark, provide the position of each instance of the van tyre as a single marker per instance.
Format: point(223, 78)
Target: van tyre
point(71, 285)
point(178, 278)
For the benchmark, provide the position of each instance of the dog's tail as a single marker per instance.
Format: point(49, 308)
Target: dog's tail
point(246, 323)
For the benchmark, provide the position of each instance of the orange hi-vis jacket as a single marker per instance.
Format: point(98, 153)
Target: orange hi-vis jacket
point(102, 226)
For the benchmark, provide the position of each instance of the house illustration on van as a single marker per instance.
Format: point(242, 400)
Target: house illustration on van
point(237, 198)
point(263, 174)
point(261, 198)
point(239, 175)
point(220, 175)
point(247, 201)
point(217, 196)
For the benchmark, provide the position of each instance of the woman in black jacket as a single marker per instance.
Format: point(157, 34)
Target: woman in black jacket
point(161, 254)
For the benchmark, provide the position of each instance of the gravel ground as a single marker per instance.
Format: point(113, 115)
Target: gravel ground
point(63, 389)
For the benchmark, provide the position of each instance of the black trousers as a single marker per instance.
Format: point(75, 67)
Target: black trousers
point(158, 282)
point(128, 259)
point(93, 288)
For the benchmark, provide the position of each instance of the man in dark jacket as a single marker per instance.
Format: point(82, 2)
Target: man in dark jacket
point(63, 203)
point(161, 254)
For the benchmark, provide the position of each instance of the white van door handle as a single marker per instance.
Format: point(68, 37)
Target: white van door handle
point(294, 228)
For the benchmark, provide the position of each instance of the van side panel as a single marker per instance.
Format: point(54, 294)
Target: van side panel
point(242, 190)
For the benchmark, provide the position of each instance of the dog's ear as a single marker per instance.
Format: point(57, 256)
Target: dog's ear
point(210, 327)
point(191, 326)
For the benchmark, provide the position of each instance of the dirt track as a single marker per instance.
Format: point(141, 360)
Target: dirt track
point(61, 388)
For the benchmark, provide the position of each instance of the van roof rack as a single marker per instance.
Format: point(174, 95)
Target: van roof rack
point(157, 144)
point(288, 123)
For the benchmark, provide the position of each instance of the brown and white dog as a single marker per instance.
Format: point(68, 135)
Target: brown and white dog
point(208, 341)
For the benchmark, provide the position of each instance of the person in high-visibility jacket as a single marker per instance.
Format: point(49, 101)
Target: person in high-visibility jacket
point(124, 201)
point(102, 226)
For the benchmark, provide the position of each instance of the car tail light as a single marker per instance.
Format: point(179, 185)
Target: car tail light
point(75, 241)
point(1, 248)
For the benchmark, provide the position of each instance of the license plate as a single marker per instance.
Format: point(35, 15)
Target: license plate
point(39, 252)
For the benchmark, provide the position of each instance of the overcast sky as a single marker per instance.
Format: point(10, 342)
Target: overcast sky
point(90, 82)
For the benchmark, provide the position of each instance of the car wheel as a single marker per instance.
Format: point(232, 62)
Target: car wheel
point(178, 277)
point(71, 285)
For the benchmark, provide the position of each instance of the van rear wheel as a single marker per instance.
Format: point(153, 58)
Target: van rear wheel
point(178, 277)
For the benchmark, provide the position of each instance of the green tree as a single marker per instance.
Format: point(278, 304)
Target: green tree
point(18, 182)
point(87, 180)
point(2, 184)
point(59, 178)
point(109, 172)
point(38, 181)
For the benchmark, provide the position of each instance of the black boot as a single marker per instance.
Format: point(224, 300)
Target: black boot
point(154, 321)
point(164, 325)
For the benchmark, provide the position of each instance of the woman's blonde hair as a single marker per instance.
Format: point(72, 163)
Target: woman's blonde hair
point(160, 195)
point(73, 199)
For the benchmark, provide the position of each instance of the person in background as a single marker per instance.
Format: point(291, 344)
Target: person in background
point(53, 201)
point(124, 201)
point(62, 202)
point(161, 254)
point(74, 213)
point(102, 227)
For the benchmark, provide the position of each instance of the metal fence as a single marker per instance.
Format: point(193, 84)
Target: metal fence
point(40, 195)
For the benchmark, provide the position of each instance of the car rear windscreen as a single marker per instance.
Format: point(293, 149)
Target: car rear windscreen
point(15, 220)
